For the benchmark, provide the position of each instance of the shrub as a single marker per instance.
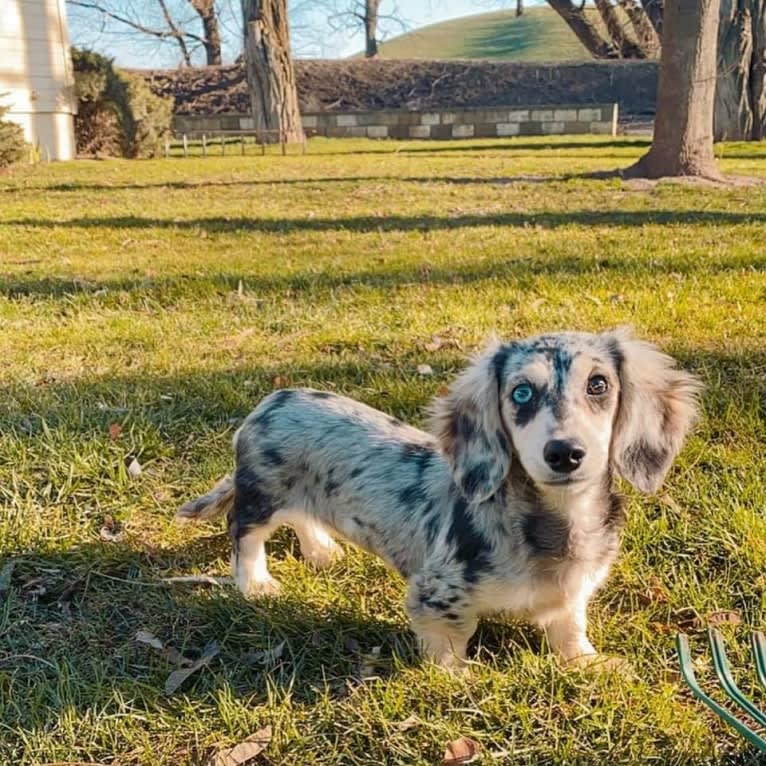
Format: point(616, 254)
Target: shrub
point(117, 113)
point(12, 144)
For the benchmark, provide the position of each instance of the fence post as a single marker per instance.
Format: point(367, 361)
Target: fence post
point(186, 147)
point(204, 145)
point(242, 144)
point(223, 145)
point(167, 147)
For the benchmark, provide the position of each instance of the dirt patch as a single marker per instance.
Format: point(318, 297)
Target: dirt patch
point(359, 85)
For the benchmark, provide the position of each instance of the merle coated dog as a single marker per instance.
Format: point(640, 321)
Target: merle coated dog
point(508, 504)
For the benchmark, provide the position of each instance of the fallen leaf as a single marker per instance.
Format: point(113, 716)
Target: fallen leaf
point(109, 535)
point(115, 429)
point(461, 750)
point(110, 530)
point(443, 391)
point(689, 619)
point(171, 654)
point(662, 628)
point(145, 637)
point(723, 618)
point(245, 751)
point(134, 468)
point(279, 381)
point(177, 677)
point(408, 723)
point(425, 369)
point(655, 593)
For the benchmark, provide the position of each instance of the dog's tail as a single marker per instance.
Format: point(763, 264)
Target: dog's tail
point(211, 505)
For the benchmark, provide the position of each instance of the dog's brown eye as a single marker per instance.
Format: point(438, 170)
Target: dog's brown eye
point(597, 385)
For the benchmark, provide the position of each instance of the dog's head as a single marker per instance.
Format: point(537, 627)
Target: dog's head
point(570, 407)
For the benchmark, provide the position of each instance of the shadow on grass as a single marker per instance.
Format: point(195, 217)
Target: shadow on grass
point(77, 612)
point(424, 223)
point(436, 147)
point(192, 185)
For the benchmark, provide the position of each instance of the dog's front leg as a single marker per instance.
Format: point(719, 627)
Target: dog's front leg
point(566, 631)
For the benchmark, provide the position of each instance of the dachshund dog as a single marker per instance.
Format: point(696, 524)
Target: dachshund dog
point(508, 504)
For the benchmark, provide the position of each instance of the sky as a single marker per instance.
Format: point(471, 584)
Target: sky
point(312, 35)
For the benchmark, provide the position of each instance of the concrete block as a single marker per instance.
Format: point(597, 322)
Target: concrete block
point(377, 131)
point(419, 131)
point(565, 115)
point(462, 131)
point(507, 128)
point(518, 115)
point(441, 131)
point(589, 115)
point(248, 123)
point(309, 121)
point(577, 127)
point(448, 118)
point(485, 130)
point(553, 127)
point(530, 128)
point(346, 120)
point(603, 128)
point(398, 131)
point(430, 118)
point(542, 115)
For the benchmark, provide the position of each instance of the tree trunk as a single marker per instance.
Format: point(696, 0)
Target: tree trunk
point(740, 99)
point(519, 8)
point(654, 11)
point(758, 70)
point(615, 28)
point(733, 119)
point(646, 35)
point(683, 129)
point(371, 28)
point(586, 32)
point(270, 74)
point(210, 30)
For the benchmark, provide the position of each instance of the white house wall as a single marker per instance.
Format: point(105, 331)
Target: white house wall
point(36, 79)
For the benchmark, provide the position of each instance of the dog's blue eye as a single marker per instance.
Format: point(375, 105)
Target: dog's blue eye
point(522, 394)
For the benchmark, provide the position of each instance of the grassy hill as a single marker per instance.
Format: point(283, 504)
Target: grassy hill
point(538, 35)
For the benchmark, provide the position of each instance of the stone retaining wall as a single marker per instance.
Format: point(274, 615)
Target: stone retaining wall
point(464, 122)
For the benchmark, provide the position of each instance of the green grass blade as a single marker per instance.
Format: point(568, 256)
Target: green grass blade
point(723, 671)
point(687, 671)
point(759, 652)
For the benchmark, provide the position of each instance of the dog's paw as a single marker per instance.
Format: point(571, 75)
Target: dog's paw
point(323, 556)
point(260, 588)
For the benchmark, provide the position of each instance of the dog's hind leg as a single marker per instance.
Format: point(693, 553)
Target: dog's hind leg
point(317, 545)
point(252, 520)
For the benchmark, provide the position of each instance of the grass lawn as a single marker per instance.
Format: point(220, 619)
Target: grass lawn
point(540, 34)
point(146, 306)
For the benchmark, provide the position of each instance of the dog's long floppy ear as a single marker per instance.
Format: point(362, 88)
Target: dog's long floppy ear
point(468, 425)
point(658, 406)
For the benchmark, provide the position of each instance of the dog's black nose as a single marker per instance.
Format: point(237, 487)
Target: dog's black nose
point(563, 456)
